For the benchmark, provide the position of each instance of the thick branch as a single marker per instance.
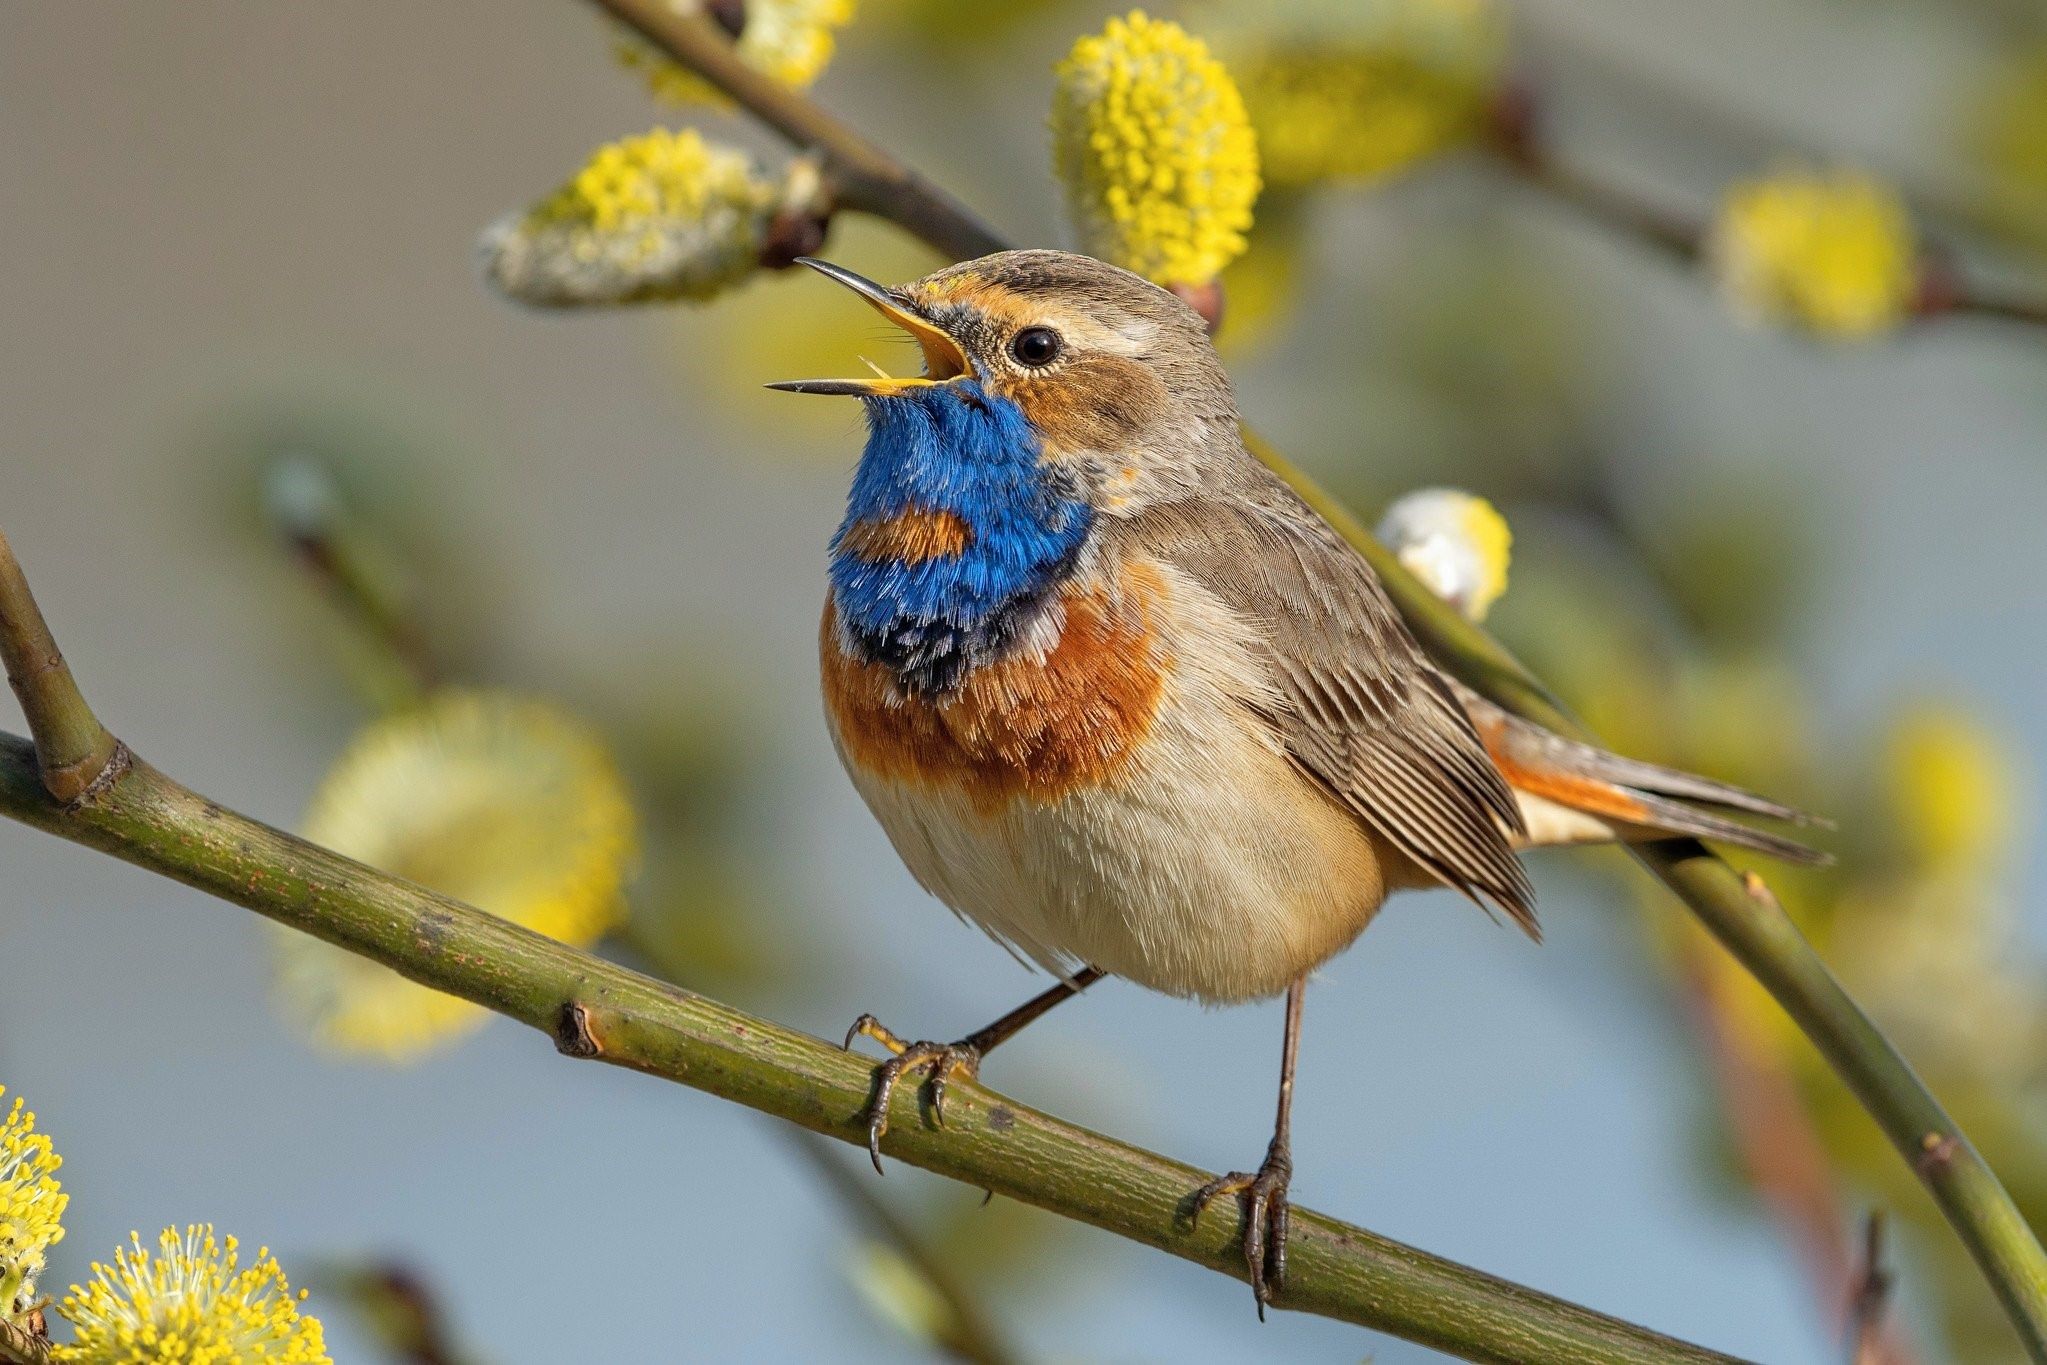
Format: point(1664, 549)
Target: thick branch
point(1752, 926)
point(594, 1008)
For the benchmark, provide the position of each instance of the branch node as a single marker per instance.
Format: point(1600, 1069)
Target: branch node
point(93, 787)
point(1937, 1153)
point(573, 1036)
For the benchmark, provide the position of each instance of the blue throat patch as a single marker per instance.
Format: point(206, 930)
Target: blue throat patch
point(953, 448)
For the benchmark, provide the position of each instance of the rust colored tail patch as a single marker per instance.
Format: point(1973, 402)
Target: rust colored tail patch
point(1575, 790)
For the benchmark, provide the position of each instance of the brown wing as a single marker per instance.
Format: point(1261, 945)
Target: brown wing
point(1363, 710)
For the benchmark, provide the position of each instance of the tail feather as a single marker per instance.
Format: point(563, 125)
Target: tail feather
point(1666, 816)
point(1609, 796)
point(1649, 777)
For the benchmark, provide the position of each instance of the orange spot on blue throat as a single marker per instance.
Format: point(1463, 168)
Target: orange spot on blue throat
point(912, 537)
point(951, 455)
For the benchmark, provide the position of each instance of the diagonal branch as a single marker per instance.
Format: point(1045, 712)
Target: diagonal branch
point(596, 1009)
point(1742, 914)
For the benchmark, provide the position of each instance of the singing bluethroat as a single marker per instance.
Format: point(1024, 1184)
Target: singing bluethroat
point(1119, 697)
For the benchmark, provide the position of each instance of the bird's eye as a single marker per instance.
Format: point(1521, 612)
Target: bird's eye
point(1035, 346)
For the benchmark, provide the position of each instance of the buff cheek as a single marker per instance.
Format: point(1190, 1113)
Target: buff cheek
point(1099, 403)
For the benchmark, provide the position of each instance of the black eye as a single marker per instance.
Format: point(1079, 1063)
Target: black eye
point(1035, 346)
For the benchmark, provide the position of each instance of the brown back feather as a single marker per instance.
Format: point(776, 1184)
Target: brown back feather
point(1364, 711)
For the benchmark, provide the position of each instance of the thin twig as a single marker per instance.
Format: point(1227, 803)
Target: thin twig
point(1943, 290)
point(968, 1333)
point(1773, 1133)
point(72, 747)
point(1752, 927)
point(1871, 1299)
point(862, 174)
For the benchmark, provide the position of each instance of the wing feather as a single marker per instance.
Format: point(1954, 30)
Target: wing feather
point(1360, 708)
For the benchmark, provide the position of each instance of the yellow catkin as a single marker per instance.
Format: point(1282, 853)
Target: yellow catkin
point(31, 1207)
point(1152, 145)
point(1457, 543)
point(499, 801)
point(190, 1301)
point(789, 40)
point(1832, 252)
point(664, 216)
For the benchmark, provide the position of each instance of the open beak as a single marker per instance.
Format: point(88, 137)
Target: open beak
point(943, 358)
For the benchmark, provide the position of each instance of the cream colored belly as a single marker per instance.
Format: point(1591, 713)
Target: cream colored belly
point(1209, 870)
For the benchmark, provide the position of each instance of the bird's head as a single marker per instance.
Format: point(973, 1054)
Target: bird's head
point(1110, 377)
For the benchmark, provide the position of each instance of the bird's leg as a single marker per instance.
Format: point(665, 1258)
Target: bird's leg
point(946, 1059)
point(1264, 1192)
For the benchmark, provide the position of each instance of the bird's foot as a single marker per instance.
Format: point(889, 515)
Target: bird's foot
point(944, 1061)
point(1264, 1197)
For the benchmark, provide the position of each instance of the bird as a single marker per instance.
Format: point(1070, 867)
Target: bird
point(1120, 698)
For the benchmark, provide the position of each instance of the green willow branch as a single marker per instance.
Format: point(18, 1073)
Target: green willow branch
point(1742, 914)
point(859, 175)
point(596, 1009)
point(592, 1008)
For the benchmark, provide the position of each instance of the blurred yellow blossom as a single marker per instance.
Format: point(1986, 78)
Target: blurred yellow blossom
point(1833, 252)
point(663, 216)
point(496, 800)
point(191, 1302)
point(1152, 145)
point(789, 40)
point(2007, 139)
point(1369, 90)
point(1455, 542)
point(1949, 786)
point(31, 1207)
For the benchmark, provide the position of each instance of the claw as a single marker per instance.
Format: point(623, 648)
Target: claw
point(942, 1060)
point(1264, 1195)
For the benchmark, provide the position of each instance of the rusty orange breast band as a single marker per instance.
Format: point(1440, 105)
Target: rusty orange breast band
point(1025, 727)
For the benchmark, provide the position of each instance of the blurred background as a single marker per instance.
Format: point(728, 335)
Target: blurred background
point(242, 242)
